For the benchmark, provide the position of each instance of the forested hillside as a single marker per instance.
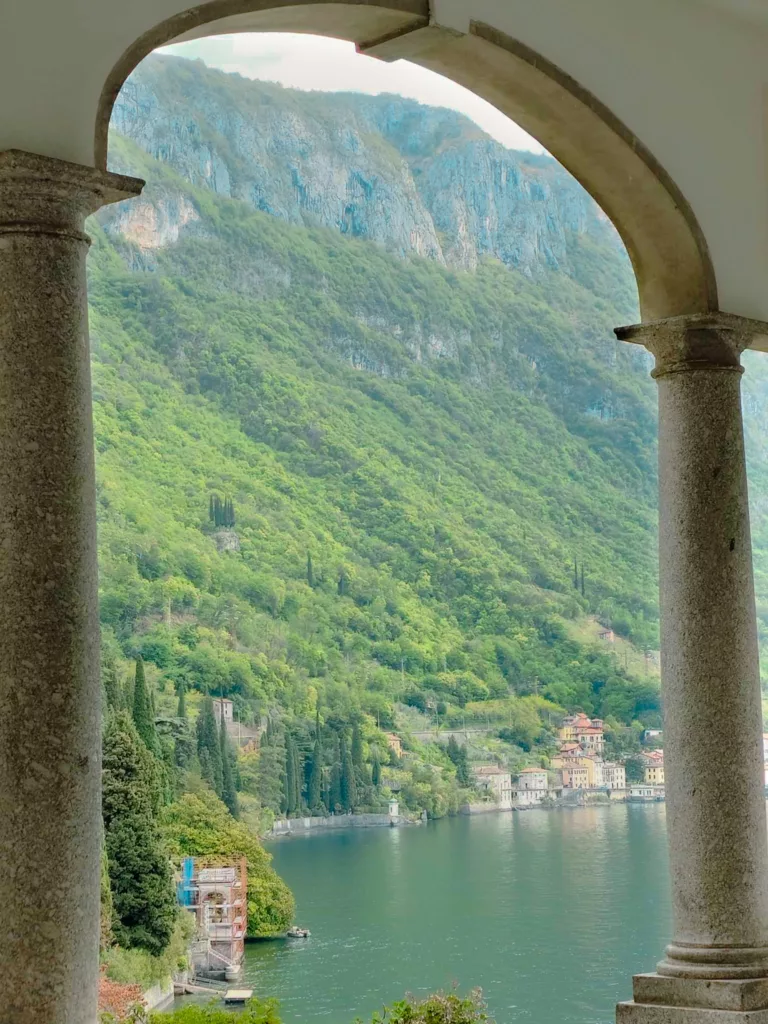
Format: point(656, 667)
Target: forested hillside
point(346, 464)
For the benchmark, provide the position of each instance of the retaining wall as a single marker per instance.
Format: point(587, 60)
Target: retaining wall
point(302, 826)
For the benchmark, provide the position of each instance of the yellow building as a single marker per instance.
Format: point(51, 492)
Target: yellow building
point(576, 777)
point(581, 729)
point(653, 768)
point(572, 757)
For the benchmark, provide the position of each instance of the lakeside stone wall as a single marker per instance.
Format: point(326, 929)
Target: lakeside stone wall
point(301, 826)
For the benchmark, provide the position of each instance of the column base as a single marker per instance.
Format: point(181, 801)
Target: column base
point(663, 1000)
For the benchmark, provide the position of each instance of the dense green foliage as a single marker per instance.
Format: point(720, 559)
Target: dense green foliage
point(199, 825)
point(143, 898)
point(407, 521)
point(143, 710)
point(438, 1008)
point(256, 1011)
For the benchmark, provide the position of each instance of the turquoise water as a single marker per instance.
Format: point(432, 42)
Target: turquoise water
point(549, 912)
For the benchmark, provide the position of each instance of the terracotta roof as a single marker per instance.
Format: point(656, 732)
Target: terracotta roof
point(489, 769)
point(530, 771)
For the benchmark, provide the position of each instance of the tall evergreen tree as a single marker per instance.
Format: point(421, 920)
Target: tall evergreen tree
point(463, 774)
point(106, 908)
point(111, 683)
point(334, 791)
point(143, 712)
point(315, 777)
point(140, 873)
point(181, 710)
point(292, 778)
point(209, 747)
point(270, 771)
point(310, 571)
point(357, 747)
point(348, 788)
point(228, 791)
point(376, 770)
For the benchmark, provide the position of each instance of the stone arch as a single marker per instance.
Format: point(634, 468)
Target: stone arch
point(664, 240)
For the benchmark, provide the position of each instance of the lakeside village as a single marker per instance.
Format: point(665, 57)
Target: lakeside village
point(578, 774)
point(214, 890)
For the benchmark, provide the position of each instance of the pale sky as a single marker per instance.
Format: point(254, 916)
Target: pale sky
point(332, 65)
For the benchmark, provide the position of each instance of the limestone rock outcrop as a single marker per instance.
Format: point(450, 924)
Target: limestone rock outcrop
point(419, 180)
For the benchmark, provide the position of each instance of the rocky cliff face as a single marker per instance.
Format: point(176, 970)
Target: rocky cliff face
point(416, 179)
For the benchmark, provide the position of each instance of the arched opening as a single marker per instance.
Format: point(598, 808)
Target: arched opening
point(665, 243)
point(305, 431)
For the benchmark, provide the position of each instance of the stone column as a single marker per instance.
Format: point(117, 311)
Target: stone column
point(717, 962)
point(50, 821)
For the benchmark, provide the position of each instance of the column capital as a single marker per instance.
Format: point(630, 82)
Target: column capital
point(696, 341)
point(43, 195)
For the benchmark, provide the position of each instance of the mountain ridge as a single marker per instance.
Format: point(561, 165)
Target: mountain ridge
point(378, 167)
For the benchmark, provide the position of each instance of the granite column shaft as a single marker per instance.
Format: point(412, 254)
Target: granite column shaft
point(49, 632)
point(713, 754)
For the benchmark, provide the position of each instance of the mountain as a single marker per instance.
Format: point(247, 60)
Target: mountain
point(388, 340)
point(420, 180)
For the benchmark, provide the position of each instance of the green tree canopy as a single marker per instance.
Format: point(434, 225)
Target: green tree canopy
point(199, 825)
point(143, 897)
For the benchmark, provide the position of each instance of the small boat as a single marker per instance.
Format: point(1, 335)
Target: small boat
point(297, 933)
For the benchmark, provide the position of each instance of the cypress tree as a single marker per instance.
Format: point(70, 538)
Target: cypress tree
point(106, 909)
point(334, 792)
point(452, 750)
point(296, 780)
point(210, 508)
point(463, 775)
point(143, 713)
point(181, 710)
point(139, 869)
point(270, 771)
point(209, 747)
point(342, 584)
point(582, 580)
point(348, 788)
point(292, 778)
point(315, 777)
point(376, 771)
point(357, 747)
point(310, 573)
point(228, 792)
point(112, 694)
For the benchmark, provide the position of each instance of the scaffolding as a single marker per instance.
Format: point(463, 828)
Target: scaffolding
point(217, 896)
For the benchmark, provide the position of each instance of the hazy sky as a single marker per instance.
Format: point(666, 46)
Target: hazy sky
point(332, 65)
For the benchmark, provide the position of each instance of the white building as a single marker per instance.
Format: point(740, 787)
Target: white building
point(643, 791)
point(496, 782)
point(614, 775)
point(222, 705)
point(533, 778)
point(531, 788)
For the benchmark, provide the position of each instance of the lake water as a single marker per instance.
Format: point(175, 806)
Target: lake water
point(549, 912)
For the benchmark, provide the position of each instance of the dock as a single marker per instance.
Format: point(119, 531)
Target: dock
point(238, 995)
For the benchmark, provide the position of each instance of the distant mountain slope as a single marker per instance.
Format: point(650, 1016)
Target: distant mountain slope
point(418, 179)
point(417, 454)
